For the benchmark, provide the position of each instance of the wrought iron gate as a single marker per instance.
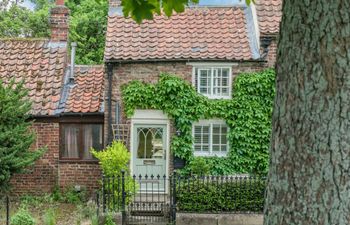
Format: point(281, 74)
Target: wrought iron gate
point(145, 199)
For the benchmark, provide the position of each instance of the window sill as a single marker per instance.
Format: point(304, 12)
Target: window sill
point(216, 97)
point(83, 161)
point(209, 155)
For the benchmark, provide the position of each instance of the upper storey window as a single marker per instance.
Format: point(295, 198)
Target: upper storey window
point(213, 82)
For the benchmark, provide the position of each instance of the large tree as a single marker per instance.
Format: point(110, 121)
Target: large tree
point(309, 179)
point(16, 136)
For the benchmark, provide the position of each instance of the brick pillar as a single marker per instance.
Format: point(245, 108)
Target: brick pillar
point(59, 21)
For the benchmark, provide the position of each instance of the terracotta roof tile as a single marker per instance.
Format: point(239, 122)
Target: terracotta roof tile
point(269, 16)
point(197, 33)
point(87, 93)
point(41, 66)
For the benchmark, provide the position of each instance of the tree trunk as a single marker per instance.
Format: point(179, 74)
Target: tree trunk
point(309, 178)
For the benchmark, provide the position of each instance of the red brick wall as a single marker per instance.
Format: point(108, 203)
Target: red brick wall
point(149, 72)
point(271, 56)
point(43, 175)
point(82, 174)
point(48, 171)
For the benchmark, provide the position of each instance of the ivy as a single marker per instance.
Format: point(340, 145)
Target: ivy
point(248, 115)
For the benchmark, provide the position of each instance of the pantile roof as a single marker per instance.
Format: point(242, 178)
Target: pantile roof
point(269, 14)
point(86, 95)
point(198, 33)
point(41, 66)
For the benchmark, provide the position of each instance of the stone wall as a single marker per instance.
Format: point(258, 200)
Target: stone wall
point(219, 219)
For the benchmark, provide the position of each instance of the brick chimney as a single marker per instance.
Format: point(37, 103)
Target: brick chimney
point(59, 21)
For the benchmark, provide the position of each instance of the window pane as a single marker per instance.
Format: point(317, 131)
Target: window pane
point(92, 138)
point(150, 142)
point(216, 148)
point(216, 139)
point(71, 135)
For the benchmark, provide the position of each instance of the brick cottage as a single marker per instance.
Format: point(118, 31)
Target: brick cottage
point(67, 108)
point(208, 45)
point(75, 111)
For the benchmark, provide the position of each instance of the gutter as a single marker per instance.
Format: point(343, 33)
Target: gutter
point(128, 61)
point(109, 102)
point(67, 114)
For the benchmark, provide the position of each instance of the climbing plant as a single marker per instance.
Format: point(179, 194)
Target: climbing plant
point(247, 114)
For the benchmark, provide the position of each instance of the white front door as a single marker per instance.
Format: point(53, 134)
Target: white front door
point(149, 155)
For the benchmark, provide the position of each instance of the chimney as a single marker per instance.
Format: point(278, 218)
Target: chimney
point(59, 22)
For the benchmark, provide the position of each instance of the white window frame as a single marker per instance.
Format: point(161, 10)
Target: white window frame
point(210, 123)
point(212, 67)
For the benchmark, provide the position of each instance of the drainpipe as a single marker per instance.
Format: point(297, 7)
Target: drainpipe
point(72, 62)
point(109, 95)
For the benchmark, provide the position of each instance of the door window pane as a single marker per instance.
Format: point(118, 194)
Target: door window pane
point(150, 143)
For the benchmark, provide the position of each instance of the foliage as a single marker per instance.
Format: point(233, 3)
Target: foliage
point(248, 115)
point(199, 195)
point(15, 134)
point(73, 196)
point(22, 217)
point(140, 10)
point(113, 160)
point(49, 217)
point(198, 166)
point(109, 220)
point(18, 21)
point(88, 24)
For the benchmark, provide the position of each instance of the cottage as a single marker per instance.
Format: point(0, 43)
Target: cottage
point(67, 107)
point(208, 45)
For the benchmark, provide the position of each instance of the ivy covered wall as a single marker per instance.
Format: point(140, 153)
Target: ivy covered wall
point(248, 115)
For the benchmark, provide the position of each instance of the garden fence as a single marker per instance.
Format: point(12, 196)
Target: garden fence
point(141, 198)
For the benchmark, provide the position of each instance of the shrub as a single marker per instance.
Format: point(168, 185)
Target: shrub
point(49, 217)
point(22, 217)
point(199, 166)
point(113, 160)
point(71, 195)
point(223, 194)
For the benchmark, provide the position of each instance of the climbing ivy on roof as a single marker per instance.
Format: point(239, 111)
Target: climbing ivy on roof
point(247, 114)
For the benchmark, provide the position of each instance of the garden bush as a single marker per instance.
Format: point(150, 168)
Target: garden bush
point(113, 160)
point(223, 194)
point(22, 217)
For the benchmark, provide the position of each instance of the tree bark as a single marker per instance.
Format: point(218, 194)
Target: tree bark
point(309, 177)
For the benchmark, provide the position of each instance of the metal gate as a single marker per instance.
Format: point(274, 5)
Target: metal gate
point(145, 199)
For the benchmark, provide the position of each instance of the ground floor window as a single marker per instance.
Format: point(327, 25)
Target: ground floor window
point(77, 140)
point(210, 138)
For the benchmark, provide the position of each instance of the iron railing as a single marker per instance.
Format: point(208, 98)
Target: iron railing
point(158, 198)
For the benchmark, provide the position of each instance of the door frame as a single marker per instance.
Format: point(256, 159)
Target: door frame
point(150, 117)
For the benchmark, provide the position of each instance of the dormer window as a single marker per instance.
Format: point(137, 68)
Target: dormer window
point(213, 81)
